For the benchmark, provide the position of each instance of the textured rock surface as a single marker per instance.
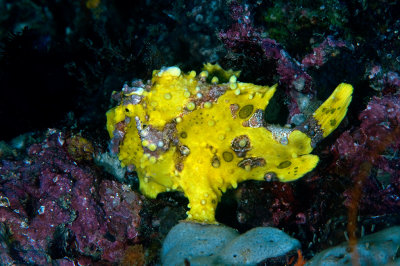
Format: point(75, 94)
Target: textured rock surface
point(57, 209)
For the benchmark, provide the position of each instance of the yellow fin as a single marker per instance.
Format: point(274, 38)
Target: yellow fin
point(332, 111)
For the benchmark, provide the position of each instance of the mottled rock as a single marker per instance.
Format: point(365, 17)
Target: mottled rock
point(54, 209)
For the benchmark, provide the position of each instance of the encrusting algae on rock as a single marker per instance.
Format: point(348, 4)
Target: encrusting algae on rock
point(183, 133)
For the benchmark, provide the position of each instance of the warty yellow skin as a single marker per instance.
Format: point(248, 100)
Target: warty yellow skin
point(189, 135)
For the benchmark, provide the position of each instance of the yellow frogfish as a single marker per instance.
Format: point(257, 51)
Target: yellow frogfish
point(201, 135)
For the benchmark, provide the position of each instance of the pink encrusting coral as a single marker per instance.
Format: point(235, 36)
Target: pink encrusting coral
point(382, 79)
point(374, 147)
point(55, 208)
point(320, 54)
point(243, 37)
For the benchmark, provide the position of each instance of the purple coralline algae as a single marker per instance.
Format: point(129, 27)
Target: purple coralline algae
point(321, 53)
point(358, 179)
point(55, 210)
point(242, 37)
point(381, 79)
point(372, 151)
